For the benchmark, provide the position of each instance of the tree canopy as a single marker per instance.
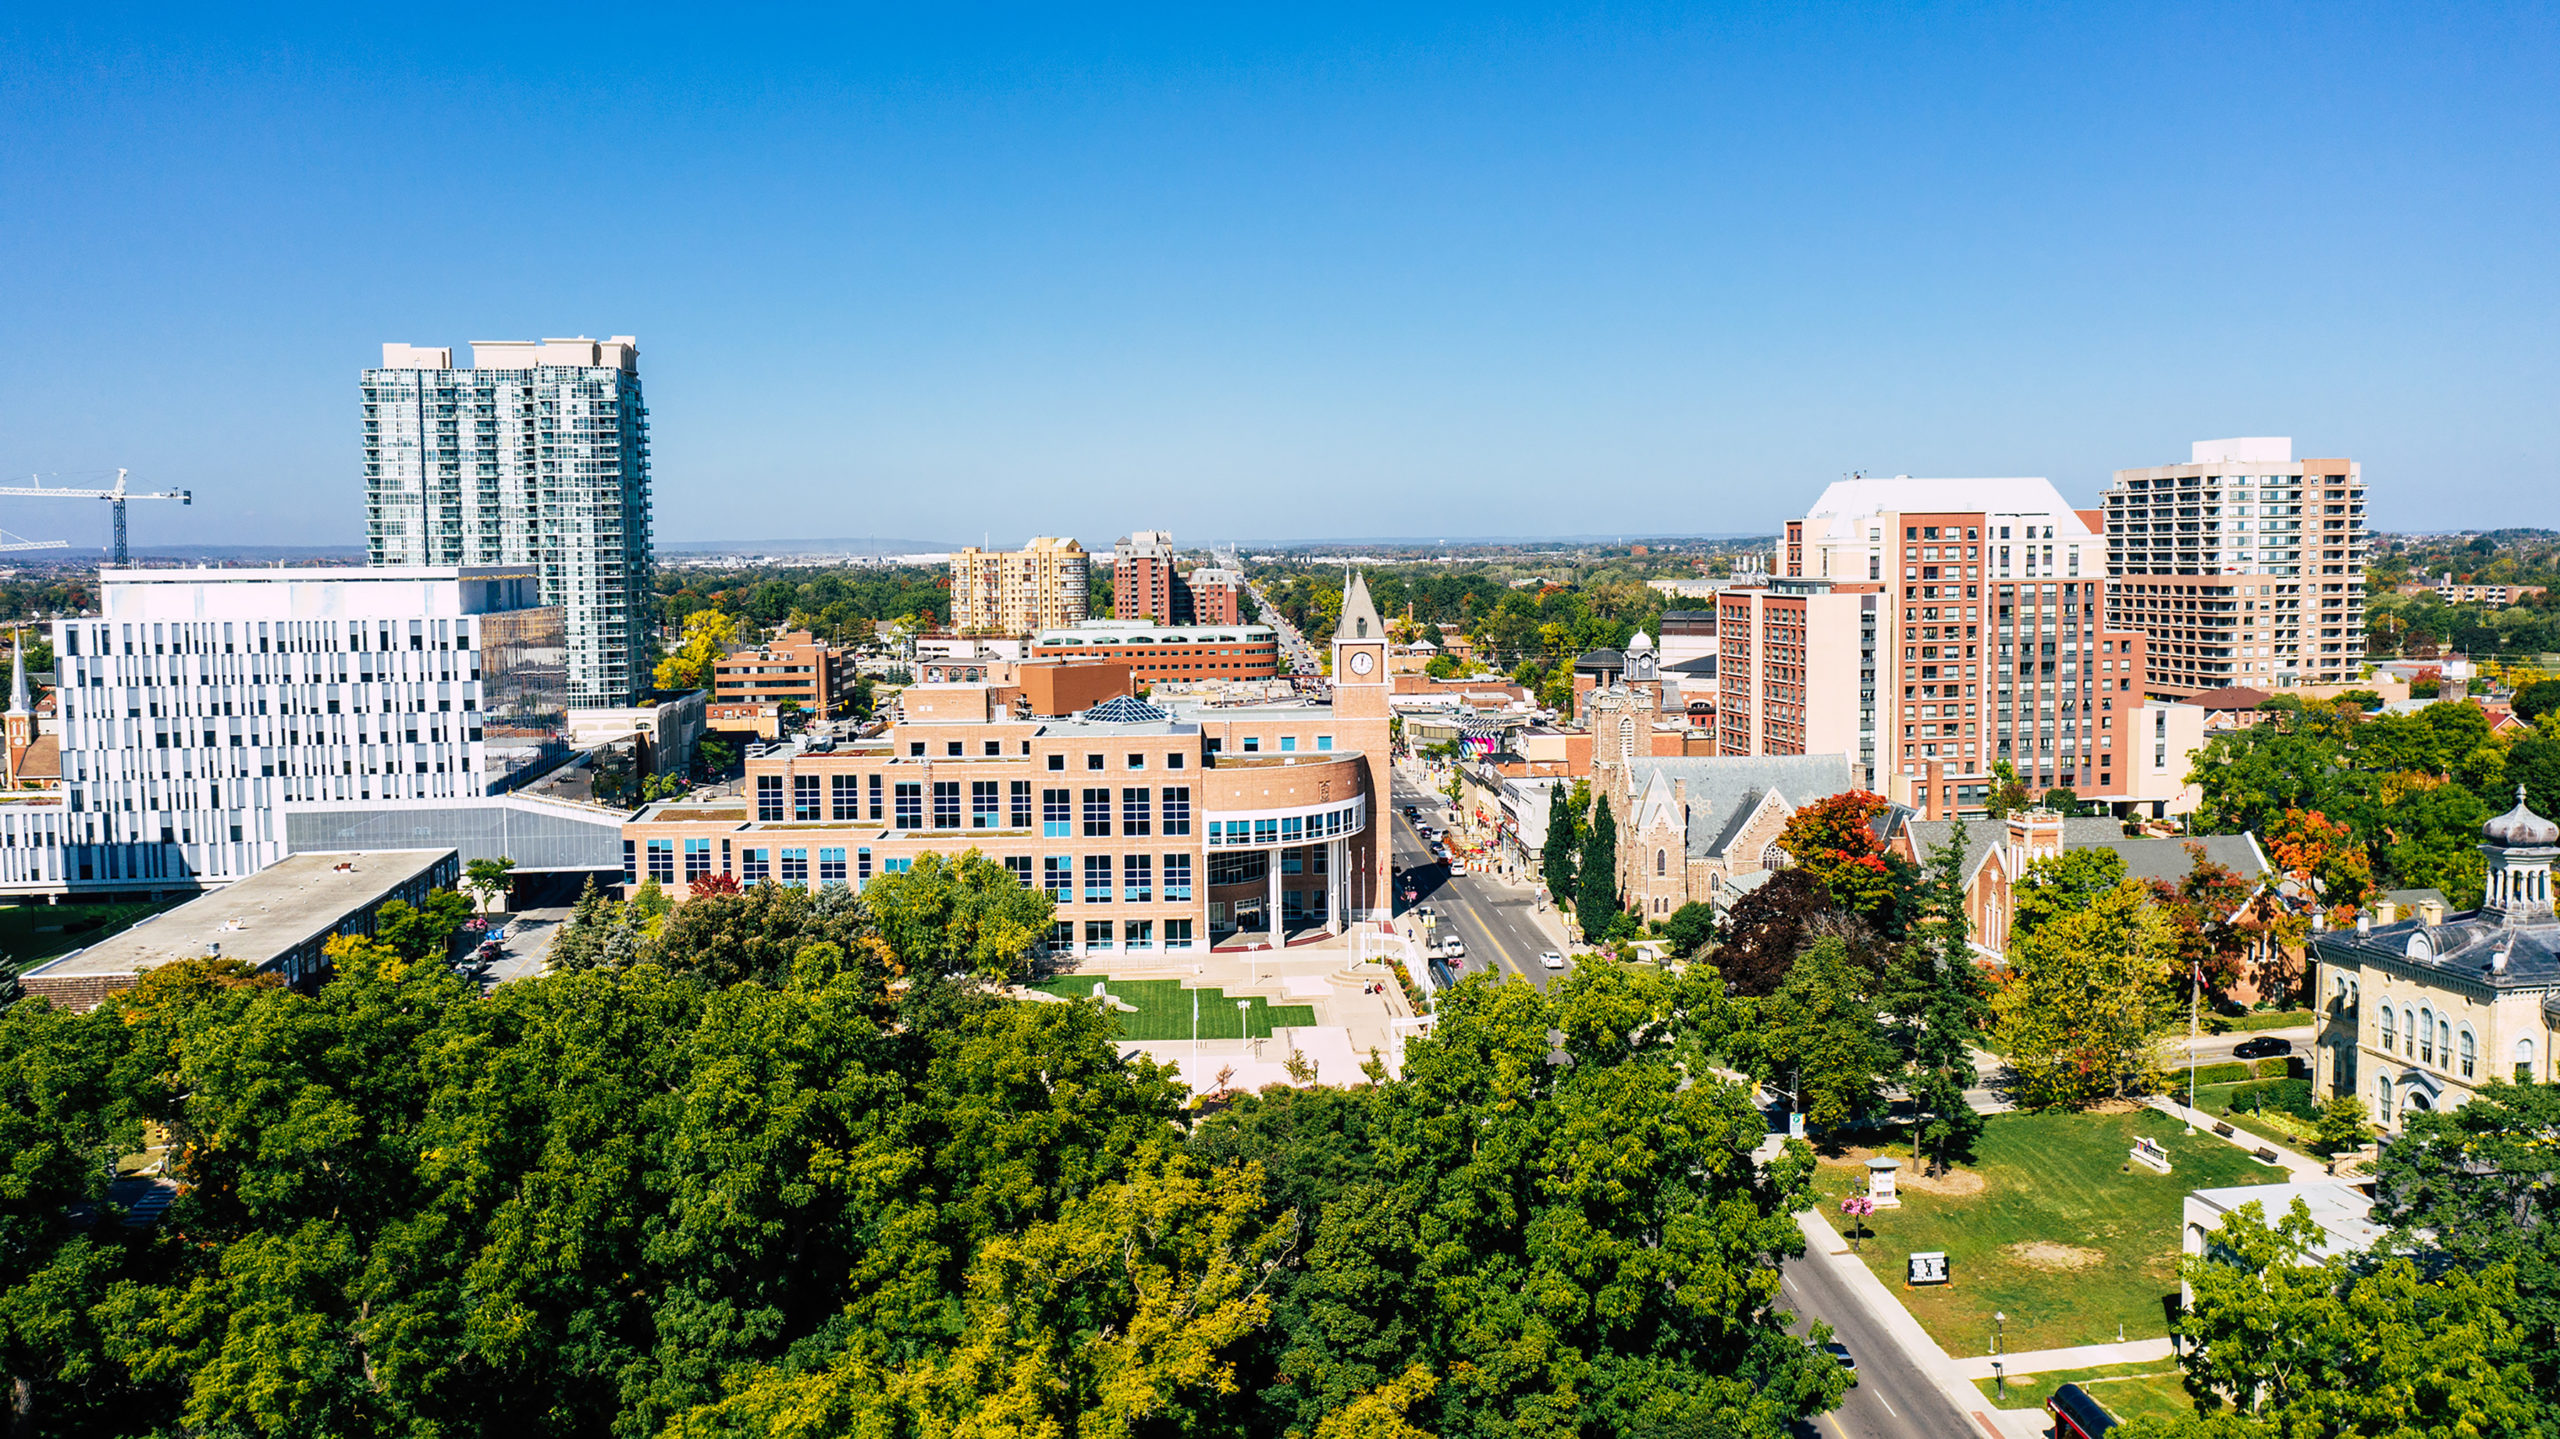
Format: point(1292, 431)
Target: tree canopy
point(780, 1163)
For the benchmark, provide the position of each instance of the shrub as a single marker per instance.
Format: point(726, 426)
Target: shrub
point(2226, 1073)
point(2284, 1096)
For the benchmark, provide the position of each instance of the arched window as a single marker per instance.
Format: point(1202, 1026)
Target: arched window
point(2524, 1061)
point(2470, 1053)
point(2425, 1035)
point(1772, 857)
point(2382, 1102)
point(2444, 1041)
point(2409, 1022)
point(1661, 862)
point(2390, 1038)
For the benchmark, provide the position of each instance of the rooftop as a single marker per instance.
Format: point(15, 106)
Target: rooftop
point(260, 919)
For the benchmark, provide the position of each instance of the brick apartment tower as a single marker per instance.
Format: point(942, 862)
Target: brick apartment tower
point(2244, 566)
point(1988, 643)
point(1143, 584)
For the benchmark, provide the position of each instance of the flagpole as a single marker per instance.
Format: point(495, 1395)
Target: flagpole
point(2195, 991)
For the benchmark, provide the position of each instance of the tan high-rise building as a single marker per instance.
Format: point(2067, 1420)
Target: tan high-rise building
point(1014, 592)
point(2244, 566)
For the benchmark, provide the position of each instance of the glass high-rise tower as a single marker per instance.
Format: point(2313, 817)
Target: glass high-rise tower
point(537, 454)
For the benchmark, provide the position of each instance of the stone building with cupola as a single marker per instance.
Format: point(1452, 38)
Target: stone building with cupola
point(2416, 1015)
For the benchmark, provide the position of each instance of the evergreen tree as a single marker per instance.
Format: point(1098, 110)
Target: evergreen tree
point(1598, 901)
point(1936, 996)
point(1563, 842)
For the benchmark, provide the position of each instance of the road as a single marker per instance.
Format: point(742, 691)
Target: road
point(1891, 1399)
point(1494, 920)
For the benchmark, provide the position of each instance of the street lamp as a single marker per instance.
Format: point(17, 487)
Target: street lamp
point(2000, 1377)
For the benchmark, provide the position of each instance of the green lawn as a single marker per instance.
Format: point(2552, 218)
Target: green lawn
point(2058, 1180)
point(2130, 1391)
point(33, 933)
point(2263, 1019)
point(1164, 1009)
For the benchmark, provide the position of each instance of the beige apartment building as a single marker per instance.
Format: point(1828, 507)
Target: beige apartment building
point(1987, 643)
point(2244, 566)
point(1014, 592)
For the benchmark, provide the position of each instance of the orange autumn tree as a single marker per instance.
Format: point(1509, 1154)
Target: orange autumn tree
point(1830, 840)
point(2324, 859)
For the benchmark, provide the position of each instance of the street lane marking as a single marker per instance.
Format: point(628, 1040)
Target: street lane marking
point(1888, 1406)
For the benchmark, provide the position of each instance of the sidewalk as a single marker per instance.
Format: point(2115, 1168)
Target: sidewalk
point(1823, 1245)
point(2085, 1356)
point(2302, 1168)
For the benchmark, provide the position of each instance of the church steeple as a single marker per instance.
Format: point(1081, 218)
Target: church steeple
point(20, 721)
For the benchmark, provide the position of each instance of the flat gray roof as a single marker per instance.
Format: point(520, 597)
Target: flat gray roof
point(259, 919)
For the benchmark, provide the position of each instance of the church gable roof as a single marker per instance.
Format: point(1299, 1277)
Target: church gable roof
point(1725, 790)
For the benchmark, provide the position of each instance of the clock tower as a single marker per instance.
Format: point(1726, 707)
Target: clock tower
point(1360, 713)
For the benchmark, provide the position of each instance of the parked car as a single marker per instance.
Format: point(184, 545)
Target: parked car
point(1551, 959)
point(2263, 1047)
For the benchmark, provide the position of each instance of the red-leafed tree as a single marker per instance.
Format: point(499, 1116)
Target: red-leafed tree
point(1831, 840)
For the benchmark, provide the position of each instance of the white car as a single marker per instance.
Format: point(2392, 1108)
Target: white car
point(1453, 948)
point(1551, 959)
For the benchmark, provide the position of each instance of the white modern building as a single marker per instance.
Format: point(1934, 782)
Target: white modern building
point(537, 454)
point(204, 713)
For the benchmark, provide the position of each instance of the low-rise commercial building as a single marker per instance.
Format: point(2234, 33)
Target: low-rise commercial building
point(797, 669)
point(277, 921)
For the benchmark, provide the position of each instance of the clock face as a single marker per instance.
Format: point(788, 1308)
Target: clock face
point(1360, 662)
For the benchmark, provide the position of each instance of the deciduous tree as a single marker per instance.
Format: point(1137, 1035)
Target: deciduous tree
point(2088, 1000)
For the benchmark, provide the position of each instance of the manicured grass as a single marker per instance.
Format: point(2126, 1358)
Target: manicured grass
point(33, 933)
point(2053, 1179)
point(2129, 1391)
point(1164, 1009)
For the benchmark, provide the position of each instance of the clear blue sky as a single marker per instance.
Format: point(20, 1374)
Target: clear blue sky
point(1329, 271)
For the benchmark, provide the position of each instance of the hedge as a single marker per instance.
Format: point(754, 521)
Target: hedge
point(2285, 1096)
point(2263, 1019)
point(2228, 1073)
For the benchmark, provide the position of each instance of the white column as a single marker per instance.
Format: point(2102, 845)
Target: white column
point(1277, 933)
point(1333, 859)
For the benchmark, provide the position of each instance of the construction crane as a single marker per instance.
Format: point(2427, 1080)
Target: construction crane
point(9, 541)
point(115, 497)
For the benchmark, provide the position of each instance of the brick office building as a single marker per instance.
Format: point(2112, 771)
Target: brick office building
point(1153, 829)
point(798, 667)
point(1168, 652)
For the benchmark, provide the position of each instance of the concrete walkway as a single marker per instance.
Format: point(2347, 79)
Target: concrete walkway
point(2084, 1356)
point(2303, 1168)
point(1823, 1245)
